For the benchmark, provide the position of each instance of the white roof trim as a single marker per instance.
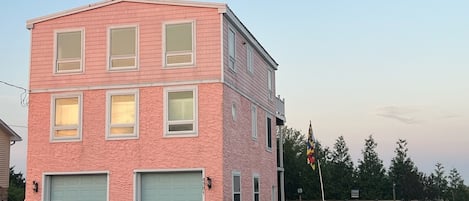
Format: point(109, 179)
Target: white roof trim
point(9, 131)
point(240, 26)
point(220, 6)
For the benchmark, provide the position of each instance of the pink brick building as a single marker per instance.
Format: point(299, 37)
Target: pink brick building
point(150, 100)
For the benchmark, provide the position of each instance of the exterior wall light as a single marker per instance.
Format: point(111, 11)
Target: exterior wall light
point(35, 186)
point(209, 182)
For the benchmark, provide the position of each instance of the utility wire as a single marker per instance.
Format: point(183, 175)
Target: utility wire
point(23, 96)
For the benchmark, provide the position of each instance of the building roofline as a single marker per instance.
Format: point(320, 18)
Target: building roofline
point(5, 128)
point(30, 23)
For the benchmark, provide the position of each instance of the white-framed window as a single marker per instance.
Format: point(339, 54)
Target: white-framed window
point(254, 121)
point(123, 47)
point(233, 111)
point(270, 84)
point(180, 111)
point(236, 186)
point(68, 51)
point(250, 59)
point(122, 114)
point(179, 43)
point(268, 137)
point(66, 117)
point(255, 187)
point(231, 48)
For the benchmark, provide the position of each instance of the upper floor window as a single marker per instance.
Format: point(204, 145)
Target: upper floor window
point(270, 84)
point(122, 115)
point(181, 110)
point(179, 44)
point(249, 58)
point(123, 48)
point(69, 51)
point(66, 117)
point(231, 49)
point(269, 134)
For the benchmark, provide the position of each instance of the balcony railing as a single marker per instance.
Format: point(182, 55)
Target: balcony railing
point(280, 110)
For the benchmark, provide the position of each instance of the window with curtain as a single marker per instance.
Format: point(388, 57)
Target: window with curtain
point(66, 118)
point(122, 117)
point(181, 111)
point(123, 48)
point(69, 51)
point(179, 41)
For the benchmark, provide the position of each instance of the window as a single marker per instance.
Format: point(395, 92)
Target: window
point(269, 84)
point(233, 111)
point(66, 117)
point(269, 134)
point(249, 59)
point(122, 115)
point(68, 51)
point(254, 121)
point(179, 44)
point(236, 186)
point(255, 185)
point(181, 110)
point(231, 49)
point(123, 48)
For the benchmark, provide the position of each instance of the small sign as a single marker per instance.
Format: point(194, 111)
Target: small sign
point(299, 190)
point(355, 194)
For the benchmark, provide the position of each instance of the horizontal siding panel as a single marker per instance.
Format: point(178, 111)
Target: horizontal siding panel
point(150, 19)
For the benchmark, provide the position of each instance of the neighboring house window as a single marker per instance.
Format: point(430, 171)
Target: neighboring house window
point(179, 44)
point(254, 121)
point(69, 51)
point(231, 49)
point(269, 134)
point(181, 110)
point(255, 184)
point(236, 186)
point(123, 48)
point(66, 117)
point(249, 59)
point(122, 114)
point(270, 84)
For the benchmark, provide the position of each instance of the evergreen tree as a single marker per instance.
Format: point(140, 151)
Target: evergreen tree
point(458, 190)
point(293, 147)
point(405, 176)
point(341, 172)
point(17, 186)
point(372, 181)
point(440, 182)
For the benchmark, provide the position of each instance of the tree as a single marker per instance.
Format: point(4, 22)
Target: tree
point(17, 186)
point(440, 181)
point(340, 171)
point(459, 191)
point(405, 176)
point(372, 181)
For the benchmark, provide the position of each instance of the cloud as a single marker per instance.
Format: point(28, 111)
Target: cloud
point(401, 114)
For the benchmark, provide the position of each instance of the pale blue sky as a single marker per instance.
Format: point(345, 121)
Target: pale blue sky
point(394, 69)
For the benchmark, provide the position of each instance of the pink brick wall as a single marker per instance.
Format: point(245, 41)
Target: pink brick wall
point(122, 157)
point(243, 154)
point(150, 18)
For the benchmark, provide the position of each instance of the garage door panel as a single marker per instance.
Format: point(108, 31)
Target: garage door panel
point(78, 188)
point(179, 186)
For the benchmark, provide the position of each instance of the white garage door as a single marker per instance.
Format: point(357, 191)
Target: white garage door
point(177, 186)
point(78, 187)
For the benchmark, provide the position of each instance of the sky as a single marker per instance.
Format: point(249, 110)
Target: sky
point(392, 69)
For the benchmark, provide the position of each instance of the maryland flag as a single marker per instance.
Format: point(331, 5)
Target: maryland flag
point(310, 145)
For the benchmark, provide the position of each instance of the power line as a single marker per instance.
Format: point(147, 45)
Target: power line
point(23, 96)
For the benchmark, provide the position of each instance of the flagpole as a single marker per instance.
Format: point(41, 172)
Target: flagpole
point(320, 179)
